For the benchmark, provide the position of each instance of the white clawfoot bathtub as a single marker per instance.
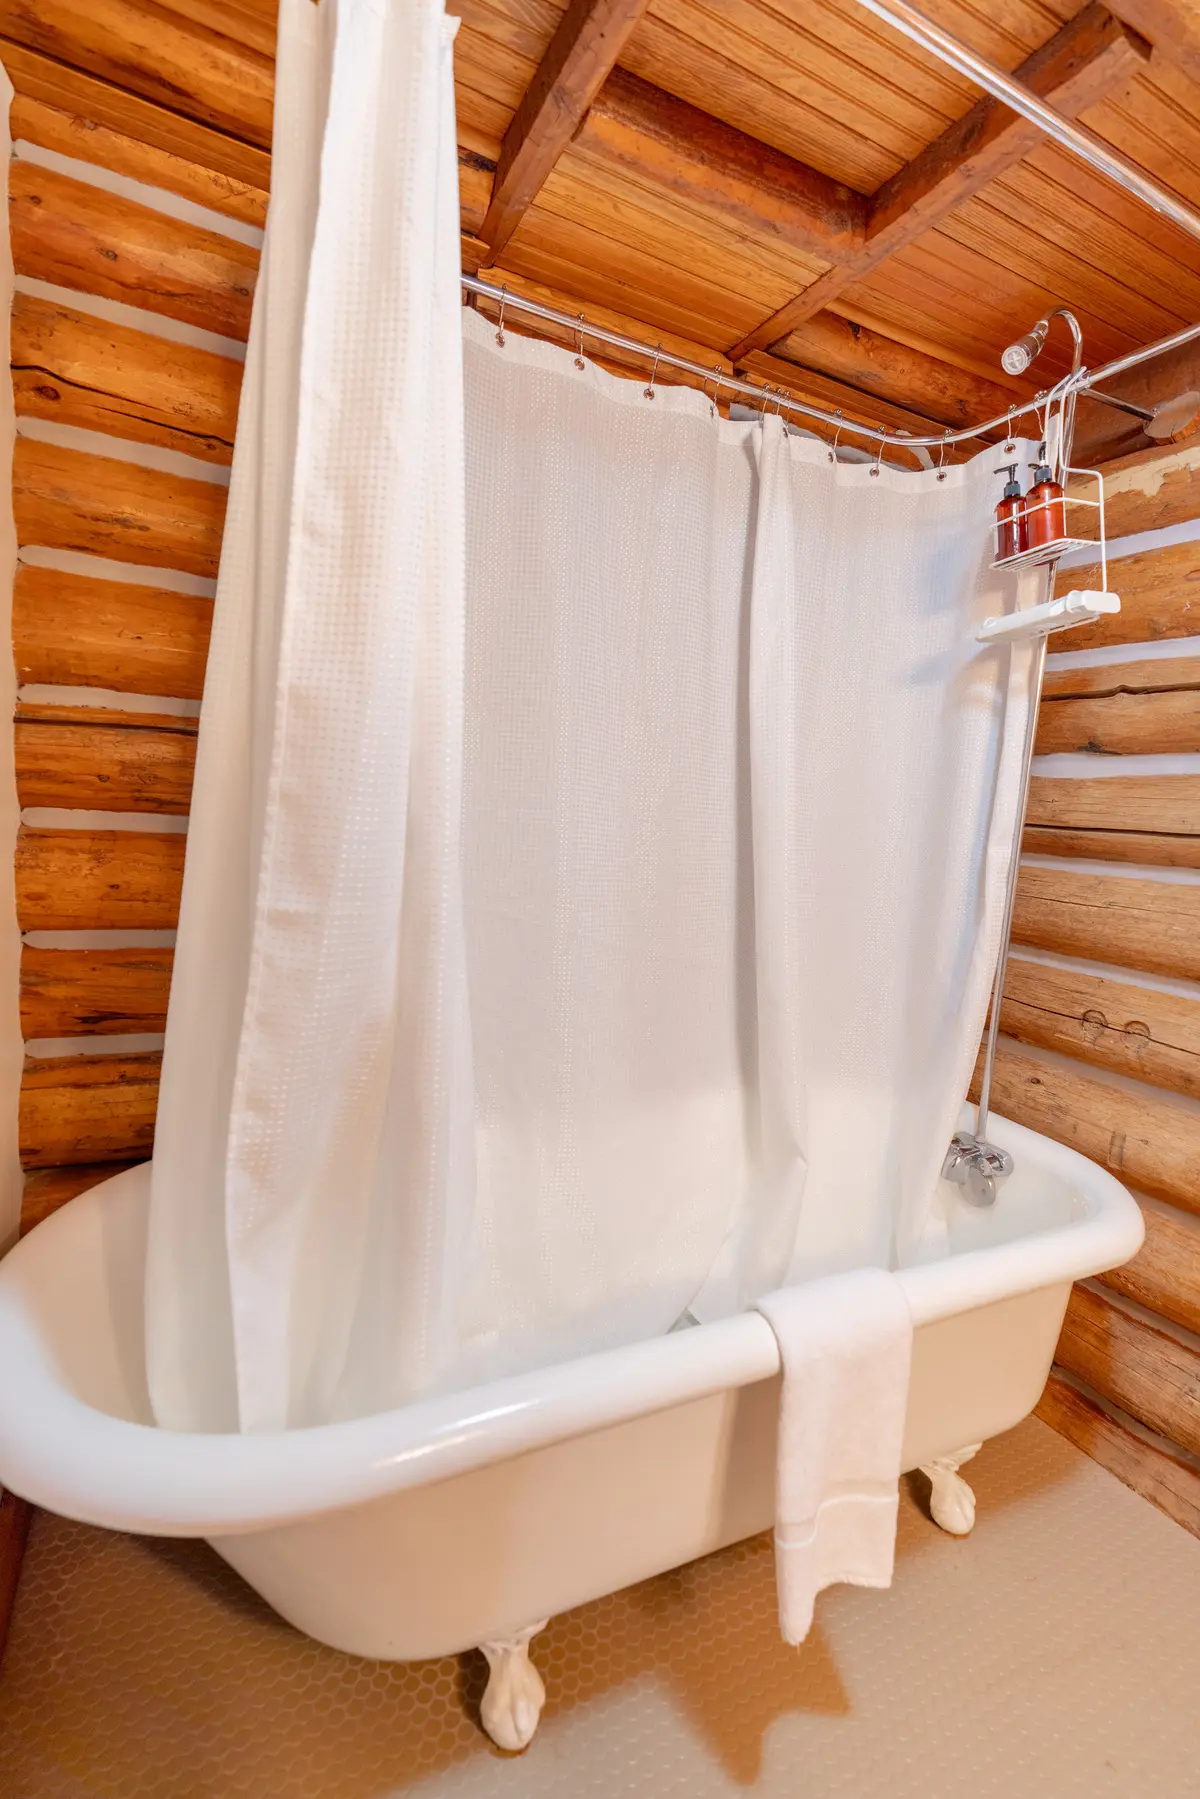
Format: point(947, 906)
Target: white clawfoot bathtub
point(466, 1520)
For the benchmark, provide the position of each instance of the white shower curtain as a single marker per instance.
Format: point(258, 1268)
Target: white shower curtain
point(609, 946)
point(317, 1058)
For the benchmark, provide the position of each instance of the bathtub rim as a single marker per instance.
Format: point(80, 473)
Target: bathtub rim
point(72, 1458)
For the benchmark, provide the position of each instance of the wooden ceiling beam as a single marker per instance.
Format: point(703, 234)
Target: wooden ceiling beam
point(1092, 57)
point(579, 58)
point(875, 364)
point(650, 134)
point(822, 390)
point(1172, 26)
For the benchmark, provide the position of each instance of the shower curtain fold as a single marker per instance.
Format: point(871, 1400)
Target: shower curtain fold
point(600, 824)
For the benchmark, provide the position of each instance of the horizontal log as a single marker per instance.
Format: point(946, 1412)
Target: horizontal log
point(81, 992)
point(1149, 1142)
point(1143, 723)
point(71, 500)
point(1153, 926)
point(98, 880)
point(87, 1109)
point(1165, 674)
point(1160, 595)
point(103, 104)
point(1148, 849)
point(1133, 1030)
point(1148, 489)
point(250, 22)
point(1165, 1273)
point(880, 365)
point(1167, 803)
point(1126, 1359)
point(149, 50)
point(669, 144)
point(79, 370)
point(83, 237)
point(834, 396)
point(88, 139)
point(46, 1189)
point(107, 767)
point(76, 631)
point(48, 712)
point(1165, 1479)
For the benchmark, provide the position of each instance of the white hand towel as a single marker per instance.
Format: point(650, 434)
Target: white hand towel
point(845, 1343)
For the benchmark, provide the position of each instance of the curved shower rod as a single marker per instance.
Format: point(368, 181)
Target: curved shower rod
point(1083, 381)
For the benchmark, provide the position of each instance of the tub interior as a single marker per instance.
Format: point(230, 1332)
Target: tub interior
point(84, 1270)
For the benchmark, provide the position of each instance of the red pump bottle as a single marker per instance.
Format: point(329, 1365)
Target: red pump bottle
point(1011, 537)
point(1046, 512)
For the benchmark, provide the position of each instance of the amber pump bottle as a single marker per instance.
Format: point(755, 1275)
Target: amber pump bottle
point(1011, 536)
point(1046, 512)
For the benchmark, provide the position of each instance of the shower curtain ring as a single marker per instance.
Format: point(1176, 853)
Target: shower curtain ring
point(500, 321)
point(834, 447)
point(712, 398)
point(649, 391)
point(579, 361)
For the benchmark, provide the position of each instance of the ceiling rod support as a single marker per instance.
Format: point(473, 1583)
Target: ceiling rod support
point(1076, 138)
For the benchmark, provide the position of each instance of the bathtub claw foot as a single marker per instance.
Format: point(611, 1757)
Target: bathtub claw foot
point(515, 1695)
point(951, 1501)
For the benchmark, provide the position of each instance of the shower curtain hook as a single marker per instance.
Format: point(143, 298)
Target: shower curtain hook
point(834, 447)
point(1010, 444)
point(712, 398)
point(879, 459)
point(579, 361)
point(500, 321)
point(942, 455)
point(649, 391)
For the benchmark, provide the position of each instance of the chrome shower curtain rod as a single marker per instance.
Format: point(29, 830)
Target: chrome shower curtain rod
point(1084, 382)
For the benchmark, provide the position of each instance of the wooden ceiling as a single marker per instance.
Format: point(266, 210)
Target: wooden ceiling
point(790, 188)
point(795, 177)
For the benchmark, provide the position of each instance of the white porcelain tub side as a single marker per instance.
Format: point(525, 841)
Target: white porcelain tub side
point(465, 1519)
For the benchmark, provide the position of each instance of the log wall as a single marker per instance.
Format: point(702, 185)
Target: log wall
point(136, 259)
point(126, 344)
point(1101, 1011)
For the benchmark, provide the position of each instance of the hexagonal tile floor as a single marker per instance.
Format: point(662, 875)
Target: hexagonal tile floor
point(1054, 1653)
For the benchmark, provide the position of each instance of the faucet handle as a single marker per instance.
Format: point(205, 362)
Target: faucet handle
point(976, 1167)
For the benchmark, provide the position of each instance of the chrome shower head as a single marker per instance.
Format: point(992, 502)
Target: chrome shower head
point(1017, 358)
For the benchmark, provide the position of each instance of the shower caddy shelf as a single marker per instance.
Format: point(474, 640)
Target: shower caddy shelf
point(1041, 553)
point(1057, 612)
point(1044, 552)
